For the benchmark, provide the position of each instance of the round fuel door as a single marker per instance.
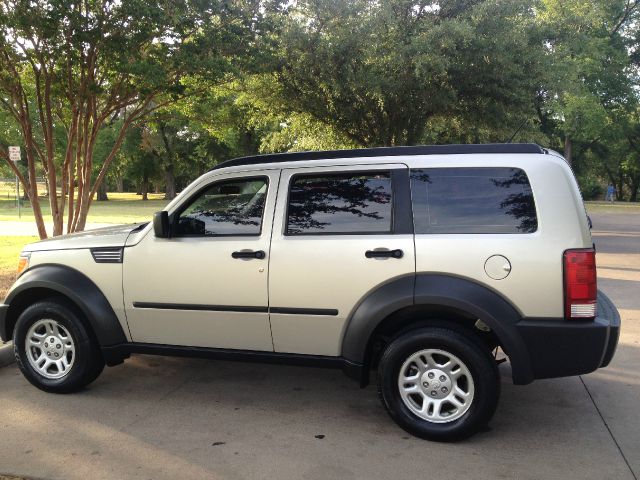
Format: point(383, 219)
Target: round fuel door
point(497, 267)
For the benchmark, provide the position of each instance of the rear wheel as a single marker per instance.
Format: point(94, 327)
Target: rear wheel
point(438, 384)
point(53, 348)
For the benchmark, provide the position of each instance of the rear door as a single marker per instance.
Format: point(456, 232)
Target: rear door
point(339, 232)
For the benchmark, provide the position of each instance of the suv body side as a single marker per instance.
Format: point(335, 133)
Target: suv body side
point(534, 284)
point(292, 300)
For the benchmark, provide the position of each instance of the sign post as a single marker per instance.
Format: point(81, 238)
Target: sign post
point(14, 156)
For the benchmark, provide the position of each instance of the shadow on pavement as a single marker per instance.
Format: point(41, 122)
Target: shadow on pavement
point(189, 418)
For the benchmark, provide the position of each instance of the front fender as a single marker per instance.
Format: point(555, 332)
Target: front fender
point(70, 283)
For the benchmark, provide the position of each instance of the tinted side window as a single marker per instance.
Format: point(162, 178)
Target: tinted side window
point(340, 203)
point(472, 200)
point(232, 207)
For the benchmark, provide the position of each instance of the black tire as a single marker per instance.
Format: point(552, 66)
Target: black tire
point(478, 360)
point(88, 363)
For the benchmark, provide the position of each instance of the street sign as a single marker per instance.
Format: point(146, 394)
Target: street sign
point(14, 154)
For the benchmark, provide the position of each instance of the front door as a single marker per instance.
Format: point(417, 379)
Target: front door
point(206, 286)
point(339, 233)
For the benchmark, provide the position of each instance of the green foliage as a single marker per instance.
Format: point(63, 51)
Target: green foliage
point(154, 93)
point(377, 72)
point(71, 70)
point(591, 188)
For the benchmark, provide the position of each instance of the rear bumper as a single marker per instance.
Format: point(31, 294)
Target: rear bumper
point(560, 348)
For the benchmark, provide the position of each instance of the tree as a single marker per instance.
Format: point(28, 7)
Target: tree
point(377, 72)
point(142, 163)
point(589, 48)
point(78, 65)
point(172, 139)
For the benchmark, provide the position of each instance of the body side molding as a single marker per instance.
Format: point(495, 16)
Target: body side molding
point(200, 307)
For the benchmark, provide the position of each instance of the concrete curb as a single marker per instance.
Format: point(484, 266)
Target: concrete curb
point(6, 354)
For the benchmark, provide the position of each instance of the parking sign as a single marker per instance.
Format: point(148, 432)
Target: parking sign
point(14, 154)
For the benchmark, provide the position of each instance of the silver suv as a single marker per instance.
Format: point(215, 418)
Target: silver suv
point(418, 263)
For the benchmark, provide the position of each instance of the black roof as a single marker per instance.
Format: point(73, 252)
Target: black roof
point(384, 152)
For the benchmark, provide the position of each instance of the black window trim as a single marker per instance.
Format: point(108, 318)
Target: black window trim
point(401, 208)
point(174, 216)
point(535, 204)
point(402, 204)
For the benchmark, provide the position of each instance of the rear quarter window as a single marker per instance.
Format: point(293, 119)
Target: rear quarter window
point(472, 200)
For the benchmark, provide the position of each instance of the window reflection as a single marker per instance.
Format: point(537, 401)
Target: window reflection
point(226, 208)
point(340, 203)
point(473, 200)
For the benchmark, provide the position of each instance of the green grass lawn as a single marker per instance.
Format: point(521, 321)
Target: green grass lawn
point(10, 248)
point(120, 208)
point(129, 208)
point(615, 207)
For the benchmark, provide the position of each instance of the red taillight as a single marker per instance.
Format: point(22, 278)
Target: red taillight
point(580, 287)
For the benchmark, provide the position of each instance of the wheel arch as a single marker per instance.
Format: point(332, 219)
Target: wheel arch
point(439, 300)
point(52, 280)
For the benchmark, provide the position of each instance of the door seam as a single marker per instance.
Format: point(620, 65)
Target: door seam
point(273, 220)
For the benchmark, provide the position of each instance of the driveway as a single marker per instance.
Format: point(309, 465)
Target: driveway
point(159, 417)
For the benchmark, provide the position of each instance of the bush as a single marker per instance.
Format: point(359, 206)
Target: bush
point(591, 188)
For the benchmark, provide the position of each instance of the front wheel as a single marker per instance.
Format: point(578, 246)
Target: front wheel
point(438, 384)
point(53, 348)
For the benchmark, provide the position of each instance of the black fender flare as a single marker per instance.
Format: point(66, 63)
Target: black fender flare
point(79, 289)
point(457, 293)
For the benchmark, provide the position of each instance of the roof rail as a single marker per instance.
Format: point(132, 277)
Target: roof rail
point(384, 152)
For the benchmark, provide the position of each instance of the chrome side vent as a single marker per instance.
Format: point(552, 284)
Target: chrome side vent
point(107, 254)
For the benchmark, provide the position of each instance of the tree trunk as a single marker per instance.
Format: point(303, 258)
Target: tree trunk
point(120, 184)
point(170, 183)
point(619, 186)
point(31, 183)
point(144, 188)
point(102, 192)
point(568, 146)
point(247, 142)
point(635, 186)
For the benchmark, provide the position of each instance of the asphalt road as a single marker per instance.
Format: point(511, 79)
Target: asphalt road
point(159, 417)
point(29, 228)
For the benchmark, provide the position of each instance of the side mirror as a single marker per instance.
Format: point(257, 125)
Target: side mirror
point(161, 224)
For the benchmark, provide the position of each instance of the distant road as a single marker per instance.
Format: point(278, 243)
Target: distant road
point(24, 229)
